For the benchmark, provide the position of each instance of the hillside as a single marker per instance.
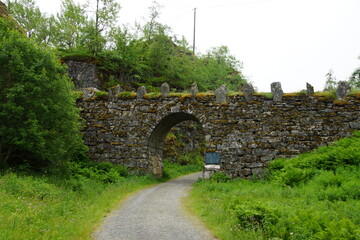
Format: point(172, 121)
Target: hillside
point(313, 196)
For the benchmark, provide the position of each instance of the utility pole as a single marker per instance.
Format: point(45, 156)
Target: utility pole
point(194, 31)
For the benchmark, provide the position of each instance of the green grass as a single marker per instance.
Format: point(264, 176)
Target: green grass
point(71, 206)
point(313, 196)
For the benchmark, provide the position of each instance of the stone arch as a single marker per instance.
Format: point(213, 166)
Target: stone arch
point(158, 135)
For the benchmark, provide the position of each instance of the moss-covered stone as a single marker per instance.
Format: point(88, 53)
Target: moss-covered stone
point(246, 134)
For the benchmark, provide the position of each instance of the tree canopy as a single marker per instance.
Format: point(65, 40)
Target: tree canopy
point(146, 54)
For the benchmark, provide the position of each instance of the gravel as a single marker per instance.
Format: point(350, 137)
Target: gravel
point(155, 213)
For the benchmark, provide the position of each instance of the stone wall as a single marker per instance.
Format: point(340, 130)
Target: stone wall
point(84, 74)
point(248, 133)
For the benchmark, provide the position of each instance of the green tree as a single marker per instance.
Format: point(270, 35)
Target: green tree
point(104, 21)
point(331, 82)
point(37, 25)
point(355, 78)
point(70, 24)
point(39, 123)
point(219, 67)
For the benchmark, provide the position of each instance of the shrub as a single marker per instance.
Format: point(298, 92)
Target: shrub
point(191, 158)
point(255, 215)
point(220, 177)
point(39, 122)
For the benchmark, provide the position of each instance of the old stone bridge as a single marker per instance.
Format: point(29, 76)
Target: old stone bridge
point(246, 130)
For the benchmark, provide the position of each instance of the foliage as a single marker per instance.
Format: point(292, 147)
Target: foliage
point(146, 55)
point(312, 196)
point(54, 207)
point(70, 24)
point(220, 177)
point(39, 123)
point(173, 170)
point(331, 83)
point(37, 25)
point(102, 95)
point(68, 206)
point(192, 158)
point(355, 79)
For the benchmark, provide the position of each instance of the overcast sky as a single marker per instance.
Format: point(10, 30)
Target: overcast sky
point(290, 41)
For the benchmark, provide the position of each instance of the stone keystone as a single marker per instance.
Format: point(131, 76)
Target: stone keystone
point(141, 92)
point(165, 89)
point(277, 91)
point(342, 89)
point(309, 89)
point(221, 94)
point(248, 92)
point(194, 89)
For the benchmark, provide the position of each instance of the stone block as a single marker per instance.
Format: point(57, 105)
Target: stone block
point(165, 89)
point(141, 92)
point(342, 89)
point(277, 91)
point(194, 89)
point(221, 94)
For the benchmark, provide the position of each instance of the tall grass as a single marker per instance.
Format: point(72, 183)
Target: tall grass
point(313, 196)
point(67, 207)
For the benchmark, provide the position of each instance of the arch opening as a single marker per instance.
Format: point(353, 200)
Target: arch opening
point(157, 138)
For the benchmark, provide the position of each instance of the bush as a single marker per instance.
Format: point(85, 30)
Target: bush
point(39, 122)
point(220, 177)
point(194, 158)
point(104, 172)
point(255, 215)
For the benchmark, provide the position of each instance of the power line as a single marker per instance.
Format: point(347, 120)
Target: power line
point(239, 4)
point(178, 16)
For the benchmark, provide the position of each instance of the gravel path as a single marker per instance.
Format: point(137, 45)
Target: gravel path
point(155, 214)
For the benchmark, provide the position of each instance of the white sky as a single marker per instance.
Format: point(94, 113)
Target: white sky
point(290, 41)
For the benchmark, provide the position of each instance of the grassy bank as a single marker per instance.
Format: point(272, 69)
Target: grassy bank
point(67, 207)
point(313, 196)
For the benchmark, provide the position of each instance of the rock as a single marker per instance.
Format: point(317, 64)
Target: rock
point(342, 89)
point(221, 94)
point(90, 92)
point(277, 91)
point(141, 92)
point(165, 89)
point(309, 89)
point(248, 91)
point(83, 74)
point(114, 91)
point(194, 89)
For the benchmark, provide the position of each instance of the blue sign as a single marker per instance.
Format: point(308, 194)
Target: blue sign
point(212, 158)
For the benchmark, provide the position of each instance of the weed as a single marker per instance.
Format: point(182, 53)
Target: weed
point(127, 95)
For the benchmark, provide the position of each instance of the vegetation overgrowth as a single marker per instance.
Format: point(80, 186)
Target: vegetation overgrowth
point(313, 196)
point(71, 206)
point(131, 56)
